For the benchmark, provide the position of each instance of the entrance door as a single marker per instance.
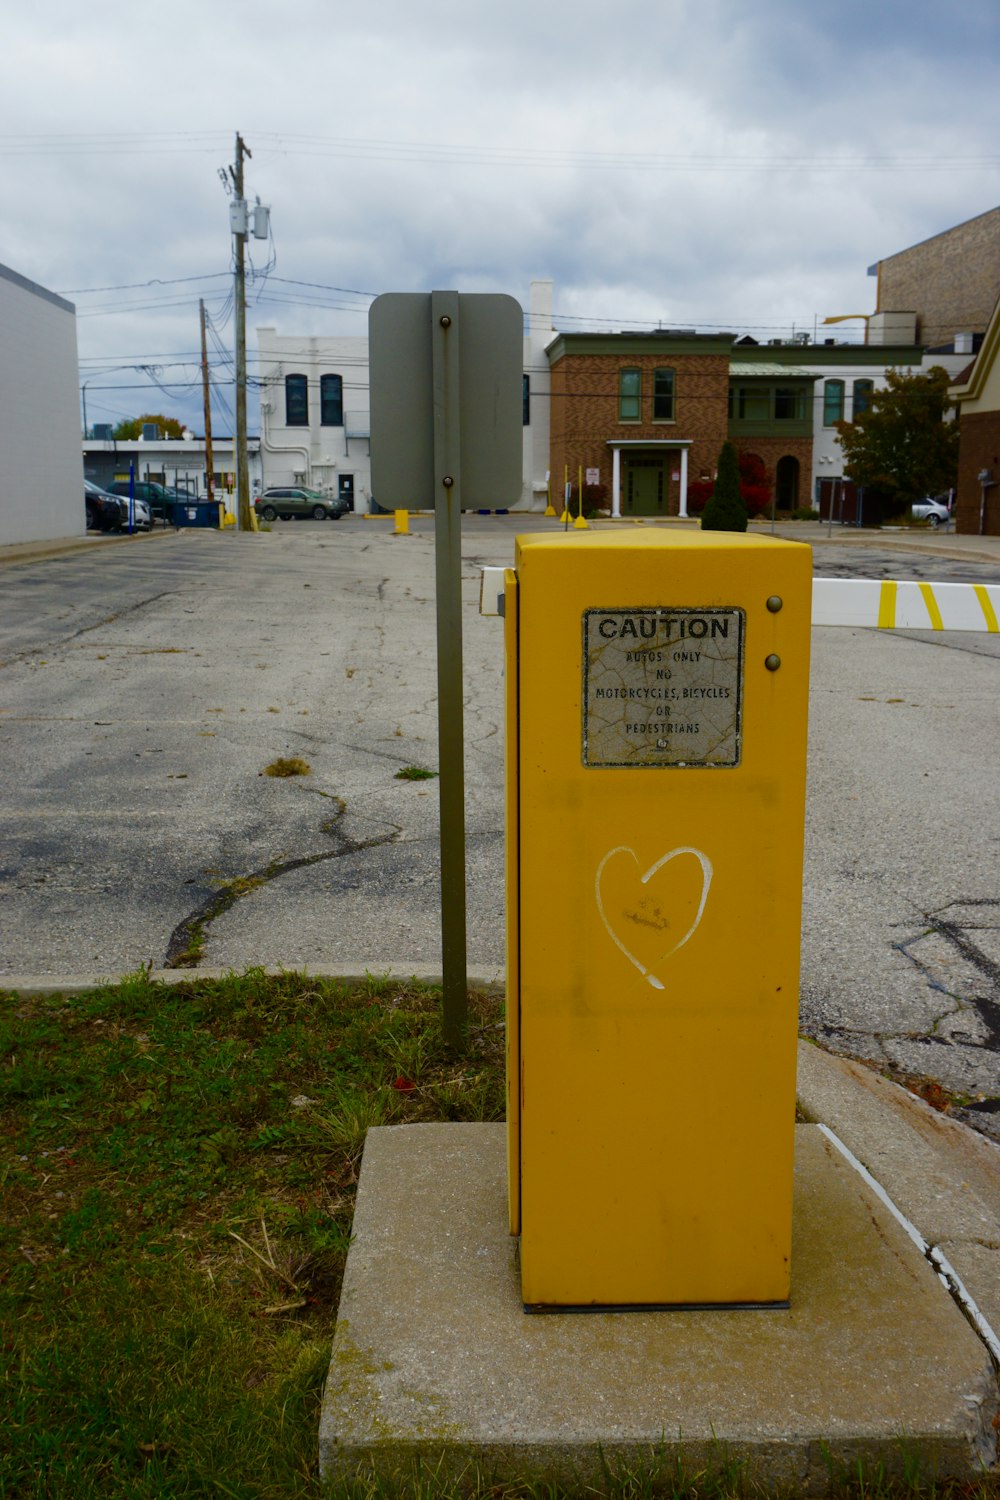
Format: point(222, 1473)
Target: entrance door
point(345, 488)
point(786, 483)
point(645, 487)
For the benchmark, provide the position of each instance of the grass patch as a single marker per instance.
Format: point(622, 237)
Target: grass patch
point(415, 773)
point(287, 766)
point(178, 1165)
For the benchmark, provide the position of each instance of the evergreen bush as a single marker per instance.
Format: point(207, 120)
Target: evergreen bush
point(726, 510)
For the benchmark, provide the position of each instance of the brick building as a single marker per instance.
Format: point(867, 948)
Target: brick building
point(950, 281)
point(977, 396)
point(647, 412)
point(650, 412)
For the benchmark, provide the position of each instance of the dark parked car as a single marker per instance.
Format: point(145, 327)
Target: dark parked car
point(297, 501)
point(105, 512)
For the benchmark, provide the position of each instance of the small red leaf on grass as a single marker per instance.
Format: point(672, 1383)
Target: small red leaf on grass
point(403, 1085)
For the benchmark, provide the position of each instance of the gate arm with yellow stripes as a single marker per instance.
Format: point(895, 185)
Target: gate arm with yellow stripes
point(891, 605)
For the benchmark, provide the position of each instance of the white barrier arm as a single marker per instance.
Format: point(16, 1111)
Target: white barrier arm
point(890, 605)
point(885, 604)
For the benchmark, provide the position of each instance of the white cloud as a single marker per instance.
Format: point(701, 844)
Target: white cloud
point(696, 162)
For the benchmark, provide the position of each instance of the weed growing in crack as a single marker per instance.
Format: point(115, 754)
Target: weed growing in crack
point(415, 773)
point(287, 766)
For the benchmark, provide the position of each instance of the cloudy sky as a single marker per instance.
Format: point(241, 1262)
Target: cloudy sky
point(730, 164)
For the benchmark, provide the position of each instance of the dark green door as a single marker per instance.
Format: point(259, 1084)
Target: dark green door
point(645, 487)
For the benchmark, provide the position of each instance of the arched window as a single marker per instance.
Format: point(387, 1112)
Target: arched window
point(331, 401)
point(862, 397)
point(833, 402)
point(296, 401)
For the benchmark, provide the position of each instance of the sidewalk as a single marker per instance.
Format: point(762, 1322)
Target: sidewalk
point(925, 542)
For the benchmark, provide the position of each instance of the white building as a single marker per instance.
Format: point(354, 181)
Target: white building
point(314, 423)
point(850, 372)
point(41, 476)
point(315, 427)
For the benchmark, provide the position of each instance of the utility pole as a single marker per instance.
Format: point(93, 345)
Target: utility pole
point(206, 397)
point(239, 222)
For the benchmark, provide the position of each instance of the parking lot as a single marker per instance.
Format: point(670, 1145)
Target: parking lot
point(148, 684)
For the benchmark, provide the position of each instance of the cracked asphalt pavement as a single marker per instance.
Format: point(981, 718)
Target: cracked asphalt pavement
point(145, 686)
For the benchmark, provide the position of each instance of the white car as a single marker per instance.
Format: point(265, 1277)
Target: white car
point(141, 518)
point(935, 509)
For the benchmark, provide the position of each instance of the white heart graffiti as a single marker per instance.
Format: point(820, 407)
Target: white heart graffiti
point(706, 881)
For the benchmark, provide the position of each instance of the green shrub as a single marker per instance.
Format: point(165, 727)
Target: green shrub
point(726, 510)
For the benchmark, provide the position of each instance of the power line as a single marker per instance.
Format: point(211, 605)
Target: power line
point(128, 286)
point(454, 153)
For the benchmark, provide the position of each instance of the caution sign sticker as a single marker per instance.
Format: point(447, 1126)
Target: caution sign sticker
point(662, 687)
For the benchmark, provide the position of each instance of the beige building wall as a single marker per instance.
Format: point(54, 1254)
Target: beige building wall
point(950, 281)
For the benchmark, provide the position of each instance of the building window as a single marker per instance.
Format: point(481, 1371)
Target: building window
point(833, 402)
point(862, 397)
point(525, 401)
point(789, 403)
point(629, 395)
point(331, 401)
point(663, 395)
point(753, 403)
point(296, 401)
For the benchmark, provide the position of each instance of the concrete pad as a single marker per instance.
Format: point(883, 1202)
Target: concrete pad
point(434, 1358)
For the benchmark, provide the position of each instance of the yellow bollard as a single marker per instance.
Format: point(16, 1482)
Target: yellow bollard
point(402, 520)
point(657, 687)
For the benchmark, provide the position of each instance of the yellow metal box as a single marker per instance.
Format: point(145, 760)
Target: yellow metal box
point(657, 694)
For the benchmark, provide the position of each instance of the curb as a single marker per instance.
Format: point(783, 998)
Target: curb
point(74, 984)
point(23, 552)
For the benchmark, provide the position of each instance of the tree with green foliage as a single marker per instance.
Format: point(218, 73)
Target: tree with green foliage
point(905, 445)
point(726, 510)
point(132, 429)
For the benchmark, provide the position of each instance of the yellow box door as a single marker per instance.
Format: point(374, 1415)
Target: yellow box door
point(657, 739)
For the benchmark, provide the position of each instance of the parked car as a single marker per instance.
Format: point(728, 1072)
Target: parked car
point(288, 503)
point(158, 499)
point(104, 511)
point(142, 519)
point(936, 509)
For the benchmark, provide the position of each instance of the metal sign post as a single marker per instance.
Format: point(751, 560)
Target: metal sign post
point(445, 364)
point(445, 375)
